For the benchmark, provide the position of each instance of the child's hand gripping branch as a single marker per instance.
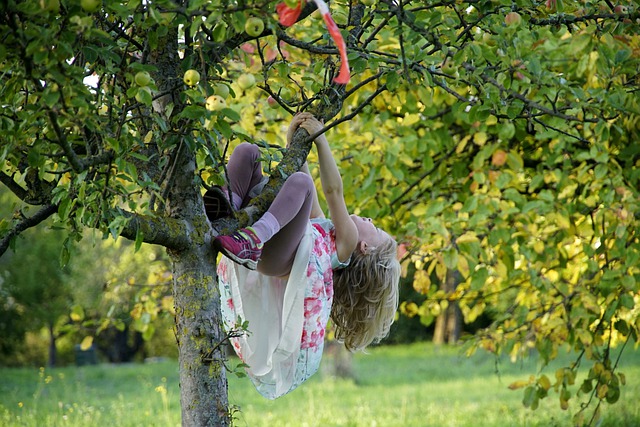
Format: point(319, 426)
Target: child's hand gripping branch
point(345, 266)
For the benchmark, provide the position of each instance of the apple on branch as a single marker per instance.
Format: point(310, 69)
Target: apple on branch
point(90, 6)
point(254, 26)
point(215, 103)
point(512, 18)
point(221, 89)
point(191, 77)
point(272, 102)
point(246, 81)
point(142, 78)
point(50, 5)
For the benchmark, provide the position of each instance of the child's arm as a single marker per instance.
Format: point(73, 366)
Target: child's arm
point(316, 210)
point(346, 231)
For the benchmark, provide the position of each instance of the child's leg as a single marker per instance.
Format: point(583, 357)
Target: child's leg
point(245, 172)
point(291, 209)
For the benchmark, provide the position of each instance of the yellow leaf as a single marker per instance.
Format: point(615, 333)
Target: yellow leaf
point(623, 378)
point(462, 144)
point(463, 266)
point(601, 391)
point(86, 343)
point(419, 210)
point(77, 313)
point(167, 303)
point(148, 137)
point(480, 138)
point(518, 384)
point(411, 119)
point(538, 246)
point(544, 382)
point(421, 281)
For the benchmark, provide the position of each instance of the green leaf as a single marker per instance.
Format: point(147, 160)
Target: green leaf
point(529, 396)
point(139, 239)
point(194, 112)
point(231, 114)
point(450, 257)
point(479, 278)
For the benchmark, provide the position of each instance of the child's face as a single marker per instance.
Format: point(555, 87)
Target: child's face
point(369, 233)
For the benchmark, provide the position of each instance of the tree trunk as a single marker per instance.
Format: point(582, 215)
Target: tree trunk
point(338, 361)
point(203, 382)
point(53, 349)
point(449, 323)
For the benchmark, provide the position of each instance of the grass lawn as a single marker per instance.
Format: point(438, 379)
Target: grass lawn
point(413, 385)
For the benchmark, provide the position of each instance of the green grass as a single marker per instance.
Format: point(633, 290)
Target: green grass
point(414, 385)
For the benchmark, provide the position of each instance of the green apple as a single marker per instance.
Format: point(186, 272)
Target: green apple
point(254, 26)
point(221, 89)
point(488, 39)
point(368, 2)
point(90, 6)
point(448, 68)
point(50, 5)
point(142, 78)
point(246, 81)
point(286, 93)
point(191, 77)
point(215, 103)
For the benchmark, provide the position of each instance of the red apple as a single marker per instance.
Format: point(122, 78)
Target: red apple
point(512, 18)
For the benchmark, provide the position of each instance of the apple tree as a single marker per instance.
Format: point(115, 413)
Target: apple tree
point(496, 138)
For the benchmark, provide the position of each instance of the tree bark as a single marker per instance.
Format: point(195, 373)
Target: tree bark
point(339, 360)
point(53, 349)
point(449, 323)
point(203, 382)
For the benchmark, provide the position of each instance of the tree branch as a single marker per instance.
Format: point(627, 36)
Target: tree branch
point(44, 213)
point(532, 104)
point(156, 230)
point(15, 188)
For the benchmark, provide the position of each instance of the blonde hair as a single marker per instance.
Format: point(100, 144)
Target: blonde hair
point(365, 297)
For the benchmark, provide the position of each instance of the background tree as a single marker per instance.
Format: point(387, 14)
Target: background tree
point(36, 288)
point(497, 137)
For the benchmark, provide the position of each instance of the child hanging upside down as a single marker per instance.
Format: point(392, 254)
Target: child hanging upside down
point(293, 269)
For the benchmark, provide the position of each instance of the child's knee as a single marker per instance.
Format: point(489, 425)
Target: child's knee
point(247, 151)
point(301, 180)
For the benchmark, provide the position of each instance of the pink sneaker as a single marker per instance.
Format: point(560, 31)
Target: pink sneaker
point(243, 247)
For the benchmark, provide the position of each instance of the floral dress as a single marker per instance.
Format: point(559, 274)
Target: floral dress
point(287, 316)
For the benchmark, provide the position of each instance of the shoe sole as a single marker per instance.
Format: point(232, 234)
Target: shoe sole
point(249, 263)
point(216, 204)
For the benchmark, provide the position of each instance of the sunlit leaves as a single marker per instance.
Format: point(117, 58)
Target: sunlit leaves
point(503, 151)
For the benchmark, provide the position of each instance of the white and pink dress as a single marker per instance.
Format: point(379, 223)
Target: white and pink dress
point(287, 315)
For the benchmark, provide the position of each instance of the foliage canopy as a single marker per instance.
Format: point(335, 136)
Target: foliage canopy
point(496, 138)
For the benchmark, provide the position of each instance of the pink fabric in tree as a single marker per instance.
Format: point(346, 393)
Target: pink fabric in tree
point(289, 16)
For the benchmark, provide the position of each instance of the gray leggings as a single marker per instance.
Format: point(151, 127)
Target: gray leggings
point(291, 207)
